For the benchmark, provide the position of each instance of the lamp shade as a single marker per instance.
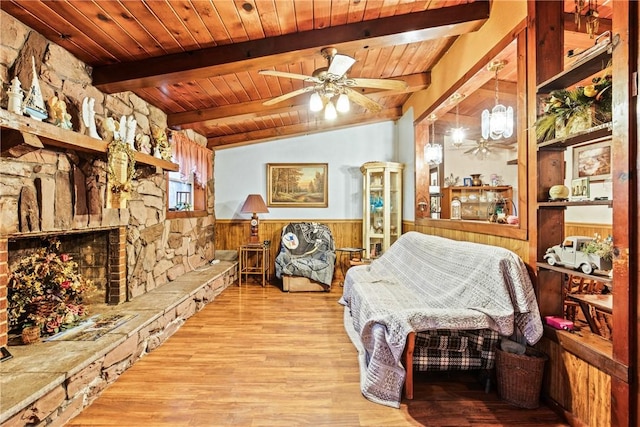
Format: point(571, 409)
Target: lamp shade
point(254, 204)
point(315, 102)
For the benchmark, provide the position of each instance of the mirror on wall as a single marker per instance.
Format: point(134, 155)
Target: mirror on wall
point(477, 128)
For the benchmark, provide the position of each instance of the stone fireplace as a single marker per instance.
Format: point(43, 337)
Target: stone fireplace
point(53, 182)
point(99, 253)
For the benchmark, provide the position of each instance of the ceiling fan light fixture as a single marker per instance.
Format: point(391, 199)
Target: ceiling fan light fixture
point(315, 102)
point(342, 104)
point(330, 112)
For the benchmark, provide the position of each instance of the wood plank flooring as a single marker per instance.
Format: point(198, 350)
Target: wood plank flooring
point(261, 357)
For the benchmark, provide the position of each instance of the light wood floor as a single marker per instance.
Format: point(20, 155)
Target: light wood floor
point(261, 357)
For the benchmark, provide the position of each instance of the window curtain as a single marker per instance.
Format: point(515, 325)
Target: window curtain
point(192, 158)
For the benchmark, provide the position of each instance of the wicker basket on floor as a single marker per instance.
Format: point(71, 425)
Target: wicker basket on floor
point(519, 377)
point(31, 334)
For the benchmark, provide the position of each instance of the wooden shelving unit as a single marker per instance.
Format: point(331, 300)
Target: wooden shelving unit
point(54, 136)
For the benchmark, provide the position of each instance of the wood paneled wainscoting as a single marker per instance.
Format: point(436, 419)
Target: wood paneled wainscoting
point(520, 247)
point(232, 233)
point(587, 229)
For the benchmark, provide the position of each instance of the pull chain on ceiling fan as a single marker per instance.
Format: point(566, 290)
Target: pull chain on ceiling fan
point(332, 81)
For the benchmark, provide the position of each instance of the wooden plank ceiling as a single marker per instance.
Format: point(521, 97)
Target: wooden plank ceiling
point(198, 60)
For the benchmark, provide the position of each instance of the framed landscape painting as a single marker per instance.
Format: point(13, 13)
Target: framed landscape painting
point(592, 161)
point(297, 185)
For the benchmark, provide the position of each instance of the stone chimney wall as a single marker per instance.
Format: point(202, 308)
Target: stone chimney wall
point(157, 249)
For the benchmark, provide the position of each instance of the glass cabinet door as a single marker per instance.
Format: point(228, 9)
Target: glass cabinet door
point(382, 206)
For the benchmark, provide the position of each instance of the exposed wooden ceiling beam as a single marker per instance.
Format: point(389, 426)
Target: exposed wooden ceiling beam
point(247, 138)
point(272, 51)
point(231, 113)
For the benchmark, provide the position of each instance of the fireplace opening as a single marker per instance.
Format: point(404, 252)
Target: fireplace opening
point(88, 250)
point(100, 257)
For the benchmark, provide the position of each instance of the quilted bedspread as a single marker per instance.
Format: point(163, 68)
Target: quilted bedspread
point(425, 282)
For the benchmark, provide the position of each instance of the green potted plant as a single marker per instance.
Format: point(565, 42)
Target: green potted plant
point(570, 111)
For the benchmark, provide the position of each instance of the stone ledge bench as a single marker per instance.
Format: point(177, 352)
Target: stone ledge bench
point(49, 383)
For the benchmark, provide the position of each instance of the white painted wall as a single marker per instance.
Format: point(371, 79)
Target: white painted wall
point(241, 171)
point(406, 155)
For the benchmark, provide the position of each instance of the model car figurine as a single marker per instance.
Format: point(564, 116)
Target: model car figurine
point(570, 253)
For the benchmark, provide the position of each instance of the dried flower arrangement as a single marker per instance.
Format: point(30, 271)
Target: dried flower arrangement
point(568, 107)
point(601, 247)
point(46, 290)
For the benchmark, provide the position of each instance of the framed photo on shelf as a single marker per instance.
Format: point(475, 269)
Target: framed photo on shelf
point(592, 161)
point(580, 189)
point(297, 185)
point(468, 182)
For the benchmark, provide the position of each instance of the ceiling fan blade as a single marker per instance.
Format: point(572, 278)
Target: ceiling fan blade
point(288, 95)
point(288, 75)
point(340, 64)
point(471, 150)
point(359, 98)
point(378, 83)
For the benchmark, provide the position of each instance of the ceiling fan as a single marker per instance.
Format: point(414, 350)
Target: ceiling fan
point(332, 80)
point(484, 147)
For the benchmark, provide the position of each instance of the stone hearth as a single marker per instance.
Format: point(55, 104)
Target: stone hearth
point(36, 392)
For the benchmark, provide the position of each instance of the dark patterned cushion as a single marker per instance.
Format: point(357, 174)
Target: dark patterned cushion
point(442, 350)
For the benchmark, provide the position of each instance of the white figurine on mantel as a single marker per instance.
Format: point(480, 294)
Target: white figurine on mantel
point(143, 143)
point(34, 105)
point(15, 94)
point(89, 117)
point(131, 132)
point(127, 131)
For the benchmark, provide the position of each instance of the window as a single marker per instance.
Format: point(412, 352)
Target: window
point(186, 189)
point(180, 192)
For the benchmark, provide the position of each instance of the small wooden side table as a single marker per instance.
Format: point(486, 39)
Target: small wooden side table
point(254, 260)
point(349, 254)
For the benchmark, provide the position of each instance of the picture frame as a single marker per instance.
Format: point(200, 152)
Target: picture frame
point(468, 182)
point(580, 189)
point(297, 185)
point(592, 161)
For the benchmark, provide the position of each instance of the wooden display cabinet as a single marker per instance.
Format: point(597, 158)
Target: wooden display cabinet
point(479, 202)
point(382, 206)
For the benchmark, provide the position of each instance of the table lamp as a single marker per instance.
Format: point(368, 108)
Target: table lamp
point(255, 205)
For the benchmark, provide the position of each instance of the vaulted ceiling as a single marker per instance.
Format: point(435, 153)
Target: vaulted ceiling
point(199, 60)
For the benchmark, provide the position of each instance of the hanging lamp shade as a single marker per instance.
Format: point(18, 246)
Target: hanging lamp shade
point(330, 112)
point(342, 104)
point(315, 102)
point(497, 123)
point(433, 151)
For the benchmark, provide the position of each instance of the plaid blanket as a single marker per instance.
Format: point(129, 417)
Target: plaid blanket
point(425, 282)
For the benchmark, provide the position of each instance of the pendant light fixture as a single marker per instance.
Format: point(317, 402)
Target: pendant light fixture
point(457, 133)
point(433, 151)
point(499, 122)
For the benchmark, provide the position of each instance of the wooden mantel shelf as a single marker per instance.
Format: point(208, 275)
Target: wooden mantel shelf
point(58, 137)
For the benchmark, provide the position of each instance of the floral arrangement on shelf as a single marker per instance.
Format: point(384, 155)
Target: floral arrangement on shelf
point(46, 290)
point(577, 109)
point(601, 247)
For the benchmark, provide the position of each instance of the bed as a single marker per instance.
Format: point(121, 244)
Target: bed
point(429, 283)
